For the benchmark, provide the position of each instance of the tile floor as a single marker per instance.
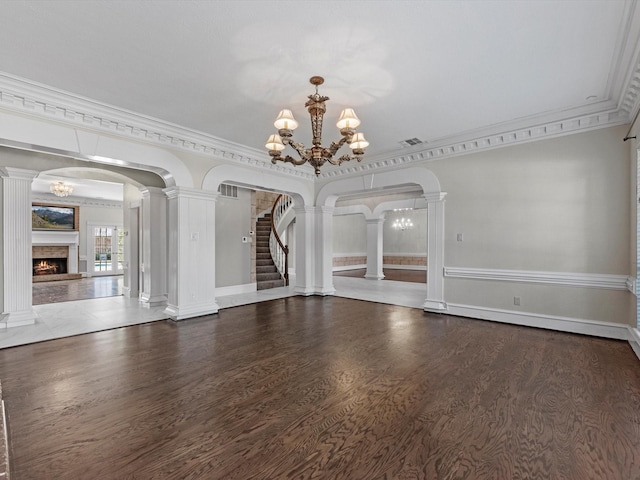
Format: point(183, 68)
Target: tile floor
point(65, 319)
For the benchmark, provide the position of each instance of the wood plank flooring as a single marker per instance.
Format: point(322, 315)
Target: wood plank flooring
point(396, 274)
point(80, 289)
point(323, 388)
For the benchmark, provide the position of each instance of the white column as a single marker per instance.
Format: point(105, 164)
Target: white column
point(17, 267)
point(192, 253)
point(435, 253)
point(324, 251)
point(304, 250)
point(374, 248)
point(154, 247)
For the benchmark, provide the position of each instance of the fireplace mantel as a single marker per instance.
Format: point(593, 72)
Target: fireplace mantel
point(41, 237)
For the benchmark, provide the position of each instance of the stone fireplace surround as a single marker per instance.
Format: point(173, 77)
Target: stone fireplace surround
point(48, 243)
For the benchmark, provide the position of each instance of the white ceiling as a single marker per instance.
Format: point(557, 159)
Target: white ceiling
point(82, 187)
point(427, 69)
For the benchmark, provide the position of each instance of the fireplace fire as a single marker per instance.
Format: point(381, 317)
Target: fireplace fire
point(49, 266)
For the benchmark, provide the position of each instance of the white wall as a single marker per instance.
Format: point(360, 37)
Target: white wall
point(233, 221)
point(349, 234)
point(413, 241)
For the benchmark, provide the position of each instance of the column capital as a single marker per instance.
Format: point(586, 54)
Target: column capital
point(435, 197)
point(194, 193)
point(17, 173)
point(325, 209)
point(375, 221)
point(303, 209)
point(152, 192)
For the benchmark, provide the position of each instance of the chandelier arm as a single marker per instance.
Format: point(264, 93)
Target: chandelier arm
point(298, 147)
point(335, 146)
point(338, 161)
point(288, 159)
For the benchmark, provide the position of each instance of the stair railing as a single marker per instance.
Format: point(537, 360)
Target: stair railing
point(280, 251)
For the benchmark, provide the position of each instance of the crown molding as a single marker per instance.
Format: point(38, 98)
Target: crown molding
point(472, 144)
point(75, 200)
point(34, 99)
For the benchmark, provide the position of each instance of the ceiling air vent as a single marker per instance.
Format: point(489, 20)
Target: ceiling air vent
point(411, 142)
point(229, 191)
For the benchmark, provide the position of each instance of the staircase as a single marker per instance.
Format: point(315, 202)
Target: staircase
point(267, 275)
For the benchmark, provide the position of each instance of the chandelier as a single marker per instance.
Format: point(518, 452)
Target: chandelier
point(316, 155)
point(61, 189)
point(402, 223)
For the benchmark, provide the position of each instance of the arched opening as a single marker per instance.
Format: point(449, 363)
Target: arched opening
point(424, 183)
point(243, 257)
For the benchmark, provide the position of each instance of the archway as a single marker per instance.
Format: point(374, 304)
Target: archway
point(434, 198)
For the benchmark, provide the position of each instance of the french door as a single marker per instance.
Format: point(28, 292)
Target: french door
point(108, 249)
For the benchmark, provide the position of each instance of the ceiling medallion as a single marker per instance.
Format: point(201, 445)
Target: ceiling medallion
point(316, 155)
point(61, 189)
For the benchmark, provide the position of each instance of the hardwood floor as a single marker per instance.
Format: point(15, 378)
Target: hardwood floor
point(81, 289)
point(324, 388)
point(396, 274)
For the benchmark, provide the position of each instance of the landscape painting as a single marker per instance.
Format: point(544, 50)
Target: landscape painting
point(44, 217)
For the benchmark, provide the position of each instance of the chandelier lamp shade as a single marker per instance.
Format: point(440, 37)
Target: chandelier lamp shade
point(61, 189)
point(317, 155)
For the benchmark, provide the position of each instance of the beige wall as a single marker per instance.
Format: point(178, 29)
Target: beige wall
point(560, 205)
point(349, 234)
point(233, 221)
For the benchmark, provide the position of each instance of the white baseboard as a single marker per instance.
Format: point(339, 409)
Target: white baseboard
point(236, 289)
point(405, 267)
point(634, 340)
point(348, 267)
point(550, 322)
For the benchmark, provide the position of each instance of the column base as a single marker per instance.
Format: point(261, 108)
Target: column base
point(18, 319)
point(435, 306)
point(373, 276)
point(303, 291)
point(325, 291)
point(177, 312)
point(155, 301)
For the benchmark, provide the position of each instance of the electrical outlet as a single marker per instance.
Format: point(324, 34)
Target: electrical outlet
point(516, 301)
point(459, 237)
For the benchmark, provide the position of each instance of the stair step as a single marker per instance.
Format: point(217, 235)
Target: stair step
point(263, 256)
point(264, 262)
point(262, 249)
point(261, 277)
point(270, 284)
point(266, 268)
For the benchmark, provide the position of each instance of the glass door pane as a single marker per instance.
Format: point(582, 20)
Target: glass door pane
point(102, 248)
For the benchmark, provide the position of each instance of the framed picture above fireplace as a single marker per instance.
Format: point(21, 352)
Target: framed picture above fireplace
point(54, 217)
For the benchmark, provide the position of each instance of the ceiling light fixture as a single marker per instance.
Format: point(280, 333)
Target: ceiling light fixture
point(316, 155)
point(402, 223)
point(61, 189)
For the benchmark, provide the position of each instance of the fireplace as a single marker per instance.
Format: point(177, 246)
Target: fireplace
point(55, 256)
point(49, 266)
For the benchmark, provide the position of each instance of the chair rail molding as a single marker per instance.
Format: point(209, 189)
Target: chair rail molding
point(591, 280)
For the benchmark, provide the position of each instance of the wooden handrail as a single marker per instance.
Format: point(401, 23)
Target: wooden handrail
point(284, 248)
